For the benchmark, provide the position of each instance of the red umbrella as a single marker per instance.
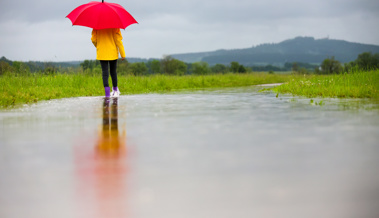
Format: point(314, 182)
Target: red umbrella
point(101, 15)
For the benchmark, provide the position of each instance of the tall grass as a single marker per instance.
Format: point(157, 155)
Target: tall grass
point(358, 84)
point(16, 90)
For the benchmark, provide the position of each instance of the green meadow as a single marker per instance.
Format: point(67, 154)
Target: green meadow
point(25, 89)
point(358, 84)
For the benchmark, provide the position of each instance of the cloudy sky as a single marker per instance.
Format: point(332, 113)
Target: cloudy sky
point(38, 29)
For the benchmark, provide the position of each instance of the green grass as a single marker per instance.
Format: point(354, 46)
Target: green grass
point(18, 90)
point(359, 84)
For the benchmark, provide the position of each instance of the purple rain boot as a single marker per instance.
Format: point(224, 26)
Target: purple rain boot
point(107, 92)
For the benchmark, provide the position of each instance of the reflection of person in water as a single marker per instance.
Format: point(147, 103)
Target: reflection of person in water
point(109, 142)
point(110, 169)
point(102, 168)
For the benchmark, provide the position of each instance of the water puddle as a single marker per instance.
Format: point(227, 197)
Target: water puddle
point(212, 153)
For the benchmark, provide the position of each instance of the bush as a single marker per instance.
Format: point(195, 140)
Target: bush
point(138, 68)
point(219, 68)
point(200, 68)
point(20, 68)
point(123, 68)
point(331, 66)
point(155, 66)
point(368, 61)
point(5, 68)
point(235, 67)
point(173, 66)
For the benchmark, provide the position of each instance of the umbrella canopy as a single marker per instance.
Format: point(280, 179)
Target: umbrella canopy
point(101, 15)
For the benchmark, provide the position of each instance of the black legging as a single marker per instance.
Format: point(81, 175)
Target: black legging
point(112, 67)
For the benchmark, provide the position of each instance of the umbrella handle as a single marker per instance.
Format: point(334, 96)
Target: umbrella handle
point(102, 1)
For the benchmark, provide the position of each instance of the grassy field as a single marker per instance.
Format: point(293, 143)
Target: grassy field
point(359, 84)
point(18, 90)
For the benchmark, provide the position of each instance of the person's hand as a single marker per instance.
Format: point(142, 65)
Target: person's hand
point(123, 59)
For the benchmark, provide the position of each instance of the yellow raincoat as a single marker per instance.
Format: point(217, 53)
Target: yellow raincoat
point(108, 44)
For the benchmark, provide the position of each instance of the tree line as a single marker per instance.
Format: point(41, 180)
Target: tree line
point(365, 61)
point(171, 66)
point(19, 67)
point(168, 65)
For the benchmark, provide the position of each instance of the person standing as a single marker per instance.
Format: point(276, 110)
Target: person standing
point(108, 43)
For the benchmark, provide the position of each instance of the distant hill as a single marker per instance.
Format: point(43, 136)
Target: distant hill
point(299, 49)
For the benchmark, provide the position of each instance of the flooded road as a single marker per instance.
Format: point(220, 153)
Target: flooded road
point(217, 153)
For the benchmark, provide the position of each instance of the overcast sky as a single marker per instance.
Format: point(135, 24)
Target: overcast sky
point(38, 29)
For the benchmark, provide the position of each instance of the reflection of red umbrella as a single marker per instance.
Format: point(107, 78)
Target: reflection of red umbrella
point(101, 15)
